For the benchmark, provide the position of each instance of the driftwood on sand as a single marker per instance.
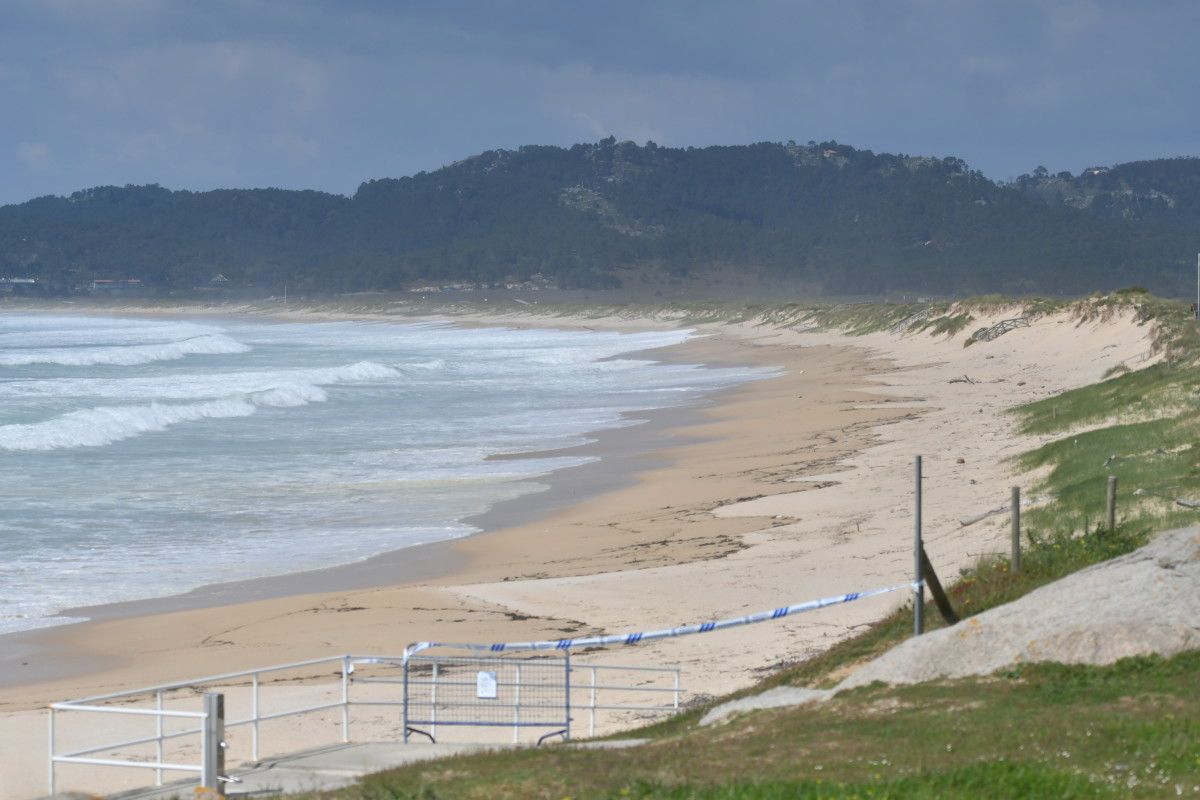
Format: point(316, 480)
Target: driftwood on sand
point(999, 329)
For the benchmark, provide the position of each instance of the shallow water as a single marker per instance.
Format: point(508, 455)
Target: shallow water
point(143, 458)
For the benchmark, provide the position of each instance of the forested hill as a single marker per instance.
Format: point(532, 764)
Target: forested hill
point(827, 215)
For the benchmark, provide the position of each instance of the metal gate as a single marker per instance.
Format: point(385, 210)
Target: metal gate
point(484, 691)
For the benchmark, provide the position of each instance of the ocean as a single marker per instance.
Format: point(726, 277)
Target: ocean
point(143, 458)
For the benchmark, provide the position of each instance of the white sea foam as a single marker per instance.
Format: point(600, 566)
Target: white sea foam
point(241, 395)
point(385, 442)
point(95, 427)
point(197, 386)
point(127, 356)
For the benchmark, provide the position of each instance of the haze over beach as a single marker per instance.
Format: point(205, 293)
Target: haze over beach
point(337, 332)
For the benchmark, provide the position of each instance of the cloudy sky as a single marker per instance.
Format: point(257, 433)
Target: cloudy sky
point(316, 95)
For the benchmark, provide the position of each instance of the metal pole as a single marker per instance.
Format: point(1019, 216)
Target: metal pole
point(567, 723)
point(345, 699)
point(50, 781)
point(158, 731)
point(592, 718)
point(404, 708)
point(433, 703)
point(254, 716)
point(675, 704)
point(1112, 503)
point(1015, 564)
point(517, 706)
point(919, 590)
point(212, 751)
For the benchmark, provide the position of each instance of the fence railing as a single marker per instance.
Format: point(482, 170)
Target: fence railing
point(171, 705)
point(125, 703)
point(593, 688)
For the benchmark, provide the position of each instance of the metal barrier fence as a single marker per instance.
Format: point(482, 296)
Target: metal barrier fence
point(487, 692)
point(539, 692)
point(533, 693)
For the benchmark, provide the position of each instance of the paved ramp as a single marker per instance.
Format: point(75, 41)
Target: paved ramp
point(325, 768)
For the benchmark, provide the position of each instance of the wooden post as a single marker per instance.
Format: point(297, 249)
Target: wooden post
point(918, 551)
point(935, 588)
point(1112, 503)
point(1015, 564)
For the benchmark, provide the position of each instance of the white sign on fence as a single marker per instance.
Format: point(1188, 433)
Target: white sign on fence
point(485, 685)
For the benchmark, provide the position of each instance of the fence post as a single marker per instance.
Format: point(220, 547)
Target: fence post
point(567, 695)
point(404, 708)
point(592, 718)
point(50, 777)
point(517, 705)
point(254, 716)
point(345, 699)
point(433, 702)
point(158, 732)
point(1015, 564)
point(212, 750)
point(1112, 503)
point(919, 589)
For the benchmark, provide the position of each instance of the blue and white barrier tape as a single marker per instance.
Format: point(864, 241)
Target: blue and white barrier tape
point(682, 630)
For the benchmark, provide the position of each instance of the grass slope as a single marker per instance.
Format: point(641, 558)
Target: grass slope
point(1141, 426)
point(1127, 730)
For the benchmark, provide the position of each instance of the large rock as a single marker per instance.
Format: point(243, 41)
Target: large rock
point(1145, 602)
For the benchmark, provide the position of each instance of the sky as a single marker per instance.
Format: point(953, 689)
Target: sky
point(312, 95)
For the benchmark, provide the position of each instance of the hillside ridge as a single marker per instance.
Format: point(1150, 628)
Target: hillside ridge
point(821, 217)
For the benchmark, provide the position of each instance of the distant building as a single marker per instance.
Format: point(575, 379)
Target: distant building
point(19, 286)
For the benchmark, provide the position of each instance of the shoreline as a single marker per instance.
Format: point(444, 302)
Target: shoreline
point(780, 490)
point(613, 450)
point(616, 452)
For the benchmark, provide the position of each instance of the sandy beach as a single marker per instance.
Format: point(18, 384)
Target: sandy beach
point(778, 491)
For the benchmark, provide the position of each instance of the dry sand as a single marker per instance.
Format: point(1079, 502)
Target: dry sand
point(825, 452)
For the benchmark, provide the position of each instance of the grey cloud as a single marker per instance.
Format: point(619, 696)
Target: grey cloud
point(308, 94)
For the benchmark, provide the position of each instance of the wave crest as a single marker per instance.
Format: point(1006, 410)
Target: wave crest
point(127, 356)
point(103, 425)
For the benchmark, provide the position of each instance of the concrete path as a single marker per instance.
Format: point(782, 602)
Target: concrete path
point(779, 697)
point(325, 768)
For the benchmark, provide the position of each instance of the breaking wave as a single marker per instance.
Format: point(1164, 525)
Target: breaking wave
point(103, 425)
point(128, 356)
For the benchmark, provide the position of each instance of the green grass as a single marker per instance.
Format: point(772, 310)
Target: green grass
point(1159, 390)
point(1154, 463)
point(1127, 730)
point(1141, 426)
